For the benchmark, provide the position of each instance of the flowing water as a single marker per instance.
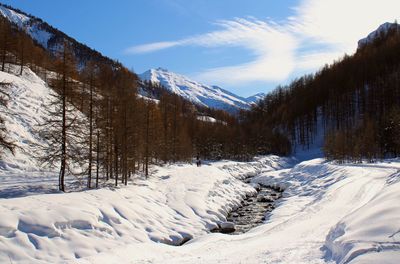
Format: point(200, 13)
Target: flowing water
point(253, 210)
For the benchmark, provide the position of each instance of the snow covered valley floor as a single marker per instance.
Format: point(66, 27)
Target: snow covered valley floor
point(329, 213)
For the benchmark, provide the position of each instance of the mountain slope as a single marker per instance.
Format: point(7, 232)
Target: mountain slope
point(255, 98)
point(51, 38)
point(382, 30)
point(200, 94)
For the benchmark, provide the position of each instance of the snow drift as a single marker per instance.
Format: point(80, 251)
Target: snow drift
point(329, 213)
point(177, 203)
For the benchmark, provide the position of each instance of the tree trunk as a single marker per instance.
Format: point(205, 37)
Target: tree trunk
point(22, 54)
point(90, 132)
point(116, 159)
point(64, 129)
point(147, 141)
point(98, 159)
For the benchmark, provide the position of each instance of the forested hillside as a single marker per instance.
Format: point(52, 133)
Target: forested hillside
point(50, 38)
point(354, 102)
point(120, 132)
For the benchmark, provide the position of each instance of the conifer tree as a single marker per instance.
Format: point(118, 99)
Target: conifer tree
point(62, 129)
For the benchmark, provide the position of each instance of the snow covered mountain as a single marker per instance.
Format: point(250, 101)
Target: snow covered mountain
point(255, 98)
point(382, 30)
point(200, 94)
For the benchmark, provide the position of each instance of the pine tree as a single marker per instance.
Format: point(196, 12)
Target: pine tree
point(62, 130)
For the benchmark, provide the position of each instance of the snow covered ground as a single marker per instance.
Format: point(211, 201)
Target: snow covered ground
point(177, 203)
point(329, 213)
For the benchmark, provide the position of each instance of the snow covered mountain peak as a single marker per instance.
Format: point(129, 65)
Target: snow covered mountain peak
point(255, 98)
point(381, 30)
point(198, 93)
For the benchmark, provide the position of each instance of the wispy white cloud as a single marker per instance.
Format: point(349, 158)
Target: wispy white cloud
point(319, 32)
point(271, 45)
point(152, 47)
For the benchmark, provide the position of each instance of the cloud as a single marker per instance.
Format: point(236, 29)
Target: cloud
point(152, 47)
point(341, 23)
point(318, 32)
point(273, 49)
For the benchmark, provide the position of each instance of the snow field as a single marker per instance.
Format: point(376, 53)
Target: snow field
point(329, 214)
point(177, 203)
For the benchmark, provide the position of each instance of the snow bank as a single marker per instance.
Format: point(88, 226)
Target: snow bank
point(177, 203)
point(372, 231)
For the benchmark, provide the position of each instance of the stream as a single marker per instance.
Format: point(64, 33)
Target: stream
point(252, 211)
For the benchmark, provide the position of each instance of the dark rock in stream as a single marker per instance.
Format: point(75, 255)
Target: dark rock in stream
point(226, 227)
point(264, 199)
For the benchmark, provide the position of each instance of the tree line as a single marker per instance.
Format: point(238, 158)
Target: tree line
point(354, 102)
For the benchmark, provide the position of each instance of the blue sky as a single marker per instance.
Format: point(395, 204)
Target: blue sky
point(244, 46)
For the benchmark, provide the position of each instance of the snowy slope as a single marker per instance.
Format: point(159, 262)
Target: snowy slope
point(329, 214)
point(23, 114)
point(26, 110)
point(382, 29)
point(201, 94)
point(33, 27)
